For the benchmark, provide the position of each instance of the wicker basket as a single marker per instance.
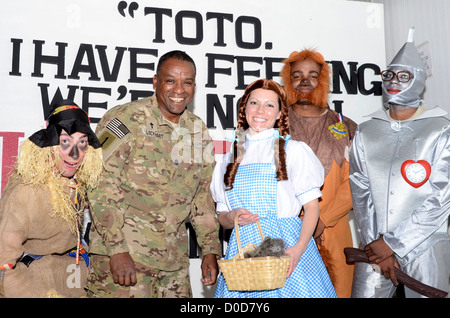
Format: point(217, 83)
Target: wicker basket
point(257, 273)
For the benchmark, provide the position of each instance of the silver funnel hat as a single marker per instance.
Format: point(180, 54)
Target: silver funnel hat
point(405, 93)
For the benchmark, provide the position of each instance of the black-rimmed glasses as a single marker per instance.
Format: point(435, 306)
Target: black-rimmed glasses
point(402, 76)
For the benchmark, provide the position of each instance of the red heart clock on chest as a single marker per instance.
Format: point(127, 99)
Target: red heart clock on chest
point(416, 173)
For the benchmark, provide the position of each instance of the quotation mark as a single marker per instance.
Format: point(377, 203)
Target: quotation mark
point(131, 8)
point(122, 90)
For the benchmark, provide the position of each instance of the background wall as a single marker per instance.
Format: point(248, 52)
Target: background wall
point(432, 23)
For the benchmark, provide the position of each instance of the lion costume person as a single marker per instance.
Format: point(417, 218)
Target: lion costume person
point(42, 208)
point(306, 78)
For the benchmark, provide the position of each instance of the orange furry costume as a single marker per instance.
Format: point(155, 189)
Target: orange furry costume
point(332, 151)
point(319, 97)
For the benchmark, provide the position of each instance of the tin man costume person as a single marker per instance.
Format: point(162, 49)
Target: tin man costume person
point(42, 207)
point(399, 176)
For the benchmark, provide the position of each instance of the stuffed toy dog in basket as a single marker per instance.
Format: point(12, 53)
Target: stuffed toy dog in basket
point(254, 267)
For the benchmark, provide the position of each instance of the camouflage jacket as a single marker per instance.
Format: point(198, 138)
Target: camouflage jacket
point(154, 177)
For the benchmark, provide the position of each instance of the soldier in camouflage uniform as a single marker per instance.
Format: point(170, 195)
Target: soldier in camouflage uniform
point(158, 160)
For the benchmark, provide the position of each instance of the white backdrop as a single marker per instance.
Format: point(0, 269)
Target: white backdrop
point(103, 53)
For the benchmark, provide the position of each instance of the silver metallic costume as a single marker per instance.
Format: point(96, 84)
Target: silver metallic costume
point(411, 215)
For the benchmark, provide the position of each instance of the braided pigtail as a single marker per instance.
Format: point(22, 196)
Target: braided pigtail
point(280, 143)
point(238, 154)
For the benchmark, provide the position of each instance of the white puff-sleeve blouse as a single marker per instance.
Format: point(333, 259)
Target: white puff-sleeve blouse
point(305, 173)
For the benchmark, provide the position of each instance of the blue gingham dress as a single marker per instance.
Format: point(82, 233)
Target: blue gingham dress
point(255, 189)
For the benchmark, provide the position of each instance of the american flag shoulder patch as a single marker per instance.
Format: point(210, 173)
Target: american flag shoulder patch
point(118, 128)
point(112, 136)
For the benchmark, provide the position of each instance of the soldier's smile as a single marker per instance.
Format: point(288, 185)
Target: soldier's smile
point(176, 100)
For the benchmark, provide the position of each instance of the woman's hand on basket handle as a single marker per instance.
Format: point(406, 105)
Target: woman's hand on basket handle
point(226, 219)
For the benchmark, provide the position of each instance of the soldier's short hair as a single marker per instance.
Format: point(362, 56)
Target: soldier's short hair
point(176, 54)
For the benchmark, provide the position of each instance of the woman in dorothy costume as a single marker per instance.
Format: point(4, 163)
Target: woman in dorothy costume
point(268, 177)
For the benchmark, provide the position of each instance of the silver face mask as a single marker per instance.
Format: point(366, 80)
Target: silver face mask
point(397, 89)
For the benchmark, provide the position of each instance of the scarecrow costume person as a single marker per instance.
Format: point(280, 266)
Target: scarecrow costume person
point(42, 209)
point(329, 134)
